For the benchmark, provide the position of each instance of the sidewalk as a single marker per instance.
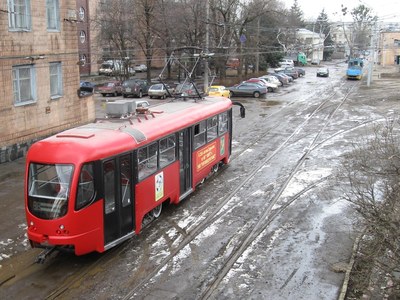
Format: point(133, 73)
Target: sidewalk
point(12, 210)
point(382, 72)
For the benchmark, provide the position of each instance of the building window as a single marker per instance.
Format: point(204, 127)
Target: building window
point(53, 15)
point(24, 78)
point(82, 36)
point(19, 15)
point(82, 60)
point(396, 43)
point(81, 13)
point(56, 82)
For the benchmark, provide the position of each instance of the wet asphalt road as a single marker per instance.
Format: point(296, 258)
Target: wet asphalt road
point(293, 256)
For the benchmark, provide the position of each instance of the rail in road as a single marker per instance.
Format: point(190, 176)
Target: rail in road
point(327, 107)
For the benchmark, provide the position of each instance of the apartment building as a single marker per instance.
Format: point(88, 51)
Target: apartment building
point(39, 78)
point(313, 44)
point(389, 48)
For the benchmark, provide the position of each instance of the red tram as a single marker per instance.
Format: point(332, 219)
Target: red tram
point(89, 188)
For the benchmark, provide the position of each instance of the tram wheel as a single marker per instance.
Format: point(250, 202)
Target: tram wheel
point(215, 168)
point(156, 212)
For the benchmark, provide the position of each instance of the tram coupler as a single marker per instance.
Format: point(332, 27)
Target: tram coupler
point(42, 256)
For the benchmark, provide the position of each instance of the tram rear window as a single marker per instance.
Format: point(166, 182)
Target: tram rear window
point(212, 128)
point(200, 134)
point(48, 189)
point(222, 123)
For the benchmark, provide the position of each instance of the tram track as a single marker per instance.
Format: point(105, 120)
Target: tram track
point(75, 278)
point(260, 225)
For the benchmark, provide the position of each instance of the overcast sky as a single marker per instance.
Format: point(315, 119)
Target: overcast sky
point(386, 10)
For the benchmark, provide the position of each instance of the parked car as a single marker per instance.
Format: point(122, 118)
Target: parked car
point(271, 87)
point(271, 79)
point(135, 88)
point(110, 88)
point(288, 71)
point(161, 91)
point(86, 88)
point(140, 68)
point(283, 78)
point(323, 72)
point(286, 63)
point(131, 71)
point(290, 78)
point(248, 89)
point(300, 71)
point(187, 89)
point(219, 90)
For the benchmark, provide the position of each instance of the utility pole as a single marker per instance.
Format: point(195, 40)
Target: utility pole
point(371, 55)
point(257, 66)
point(207, 46)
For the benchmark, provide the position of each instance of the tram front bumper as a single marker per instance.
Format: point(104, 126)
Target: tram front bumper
point(82, 243)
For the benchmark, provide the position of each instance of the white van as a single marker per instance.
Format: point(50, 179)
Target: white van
point(110, 67)
point(286, 63)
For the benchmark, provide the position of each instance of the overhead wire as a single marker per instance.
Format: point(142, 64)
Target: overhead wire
point(99, 54)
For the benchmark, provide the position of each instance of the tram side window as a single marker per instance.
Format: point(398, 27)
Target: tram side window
point(223, 123)
point(212, 128)
point(167, 150)
point(147, 160)
point(199, 134)
point(86, 191)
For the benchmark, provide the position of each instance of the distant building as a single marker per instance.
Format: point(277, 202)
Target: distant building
point(312, 44)
point(389, 48)
point(39, 78)
point(341, 46)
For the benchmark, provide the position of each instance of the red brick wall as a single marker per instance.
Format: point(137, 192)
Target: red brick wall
point(21, 124)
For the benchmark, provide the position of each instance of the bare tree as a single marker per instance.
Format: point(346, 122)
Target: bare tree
point(146, 29)
point(290, 23)
point(112, 20)
point(357, 34)
point(234, 19)
point(372, 172)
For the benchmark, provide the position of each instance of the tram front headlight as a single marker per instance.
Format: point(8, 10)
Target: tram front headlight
point(62, 227)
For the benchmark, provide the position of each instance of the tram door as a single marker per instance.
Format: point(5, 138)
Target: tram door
point(118, 198)
point(185, 158)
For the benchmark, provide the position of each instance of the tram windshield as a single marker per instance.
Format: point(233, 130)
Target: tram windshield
point(48, 190)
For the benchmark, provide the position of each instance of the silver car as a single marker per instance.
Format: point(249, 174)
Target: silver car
point(323, 72)
point(248, 89)
point(161, 91)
